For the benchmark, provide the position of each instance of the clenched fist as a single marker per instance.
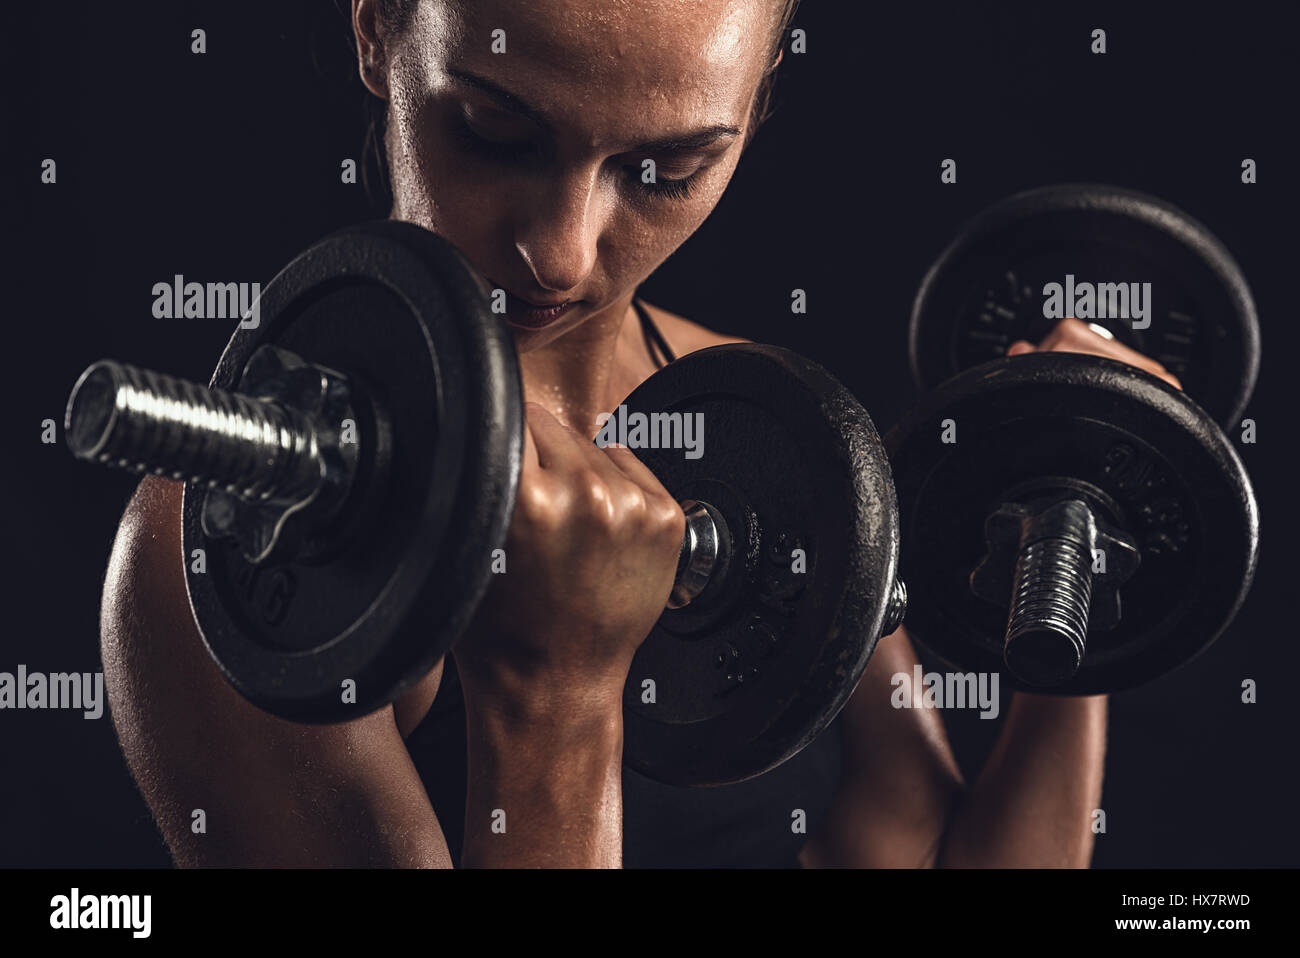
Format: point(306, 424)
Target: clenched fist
point(590, 559)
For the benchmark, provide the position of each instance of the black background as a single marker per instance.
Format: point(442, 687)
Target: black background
point(223, 166)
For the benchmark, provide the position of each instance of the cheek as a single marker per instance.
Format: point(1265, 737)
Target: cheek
point(438, 187)
point(459, 198)
point(653, 229)
point(643, 231)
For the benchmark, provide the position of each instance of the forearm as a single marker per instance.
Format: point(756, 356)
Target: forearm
point(1033, 802)
point(545, 787)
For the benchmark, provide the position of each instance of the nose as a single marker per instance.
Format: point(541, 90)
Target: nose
point(558, 232)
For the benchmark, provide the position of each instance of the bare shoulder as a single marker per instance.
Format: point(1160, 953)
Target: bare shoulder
point(288, 794)
point(145, 595)
point(685, 336)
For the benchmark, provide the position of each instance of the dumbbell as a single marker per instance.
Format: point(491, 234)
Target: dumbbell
point(350, 474)
point(991, 285)
point(1072, 521)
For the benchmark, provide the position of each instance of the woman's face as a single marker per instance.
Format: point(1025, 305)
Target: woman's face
point(531, 161)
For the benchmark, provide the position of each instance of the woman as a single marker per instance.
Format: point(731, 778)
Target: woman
point(522, 133)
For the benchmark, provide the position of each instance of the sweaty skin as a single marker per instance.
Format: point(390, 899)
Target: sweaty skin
point(531, 162)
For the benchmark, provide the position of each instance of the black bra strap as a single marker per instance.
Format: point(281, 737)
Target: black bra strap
point(656, 345)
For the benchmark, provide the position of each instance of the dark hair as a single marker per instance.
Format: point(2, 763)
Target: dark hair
point(395, 16)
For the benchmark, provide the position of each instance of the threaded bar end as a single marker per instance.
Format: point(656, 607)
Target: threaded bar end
point(1048, 625)
point(148, 422)
point(895, 609)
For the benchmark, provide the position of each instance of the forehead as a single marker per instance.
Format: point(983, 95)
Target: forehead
point(629, 63)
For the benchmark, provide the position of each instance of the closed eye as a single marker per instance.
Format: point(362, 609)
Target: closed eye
point(485, 147)
point(528, 151)
point(665, 186)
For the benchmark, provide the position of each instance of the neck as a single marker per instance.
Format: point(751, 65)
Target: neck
point(580, 374)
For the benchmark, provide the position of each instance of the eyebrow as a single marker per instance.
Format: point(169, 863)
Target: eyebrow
point(677, 143)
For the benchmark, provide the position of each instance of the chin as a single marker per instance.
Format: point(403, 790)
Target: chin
point(527, 340)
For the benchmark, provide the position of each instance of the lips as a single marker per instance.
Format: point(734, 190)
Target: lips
point(530, 315)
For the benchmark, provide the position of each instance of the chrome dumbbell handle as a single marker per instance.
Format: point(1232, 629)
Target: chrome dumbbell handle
point(269, 454)
point(148, 422)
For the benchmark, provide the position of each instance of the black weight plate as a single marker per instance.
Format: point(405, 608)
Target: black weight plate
point(398, 311)
point(761, 662)
point(986, 289)
point(1177, 484)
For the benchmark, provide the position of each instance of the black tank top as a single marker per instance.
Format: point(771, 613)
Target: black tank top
point(746, 825)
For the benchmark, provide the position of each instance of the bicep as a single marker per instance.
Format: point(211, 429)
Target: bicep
point(900, 777)
point(271, 792)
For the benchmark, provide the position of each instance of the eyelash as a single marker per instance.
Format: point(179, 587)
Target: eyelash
point(521, 153)
point(672, 189)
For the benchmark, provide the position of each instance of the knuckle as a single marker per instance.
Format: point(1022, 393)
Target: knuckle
point(1075, 331)
point(668, 520)
point(593, 500)
point(670, 511)
point(535, 503)
point(615, 452)
point(633, 502)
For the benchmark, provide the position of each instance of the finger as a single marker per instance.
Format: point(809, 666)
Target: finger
point(532, 460)
point(550, 438)
point(1161, 373)
point(1065, 331)
point(634, 469)
point(536, 486)
point(561, 449)
point(1020, 347)
point(1073, 336)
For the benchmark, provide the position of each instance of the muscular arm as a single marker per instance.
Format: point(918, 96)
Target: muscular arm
point(274, 793)
point(545, 788)
point(1032, 803)
point(903, 802)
